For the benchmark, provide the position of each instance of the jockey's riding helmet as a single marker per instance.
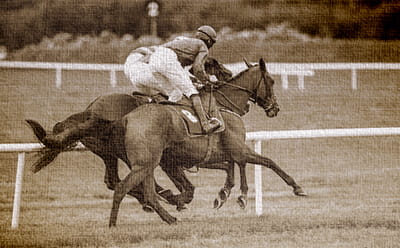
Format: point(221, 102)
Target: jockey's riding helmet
point(207, 34)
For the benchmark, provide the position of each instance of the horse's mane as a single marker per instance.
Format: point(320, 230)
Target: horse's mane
point(240, 74)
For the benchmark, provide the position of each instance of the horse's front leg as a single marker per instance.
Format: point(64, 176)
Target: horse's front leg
point(244, 188)
point(224, 193)
point(252, 157)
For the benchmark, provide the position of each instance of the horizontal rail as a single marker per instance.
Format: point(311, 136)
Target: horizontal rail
point(250, 136)
point(321, 133)
point(30, 147)
point(284, 69)
point(276, 67)
point(64, 66)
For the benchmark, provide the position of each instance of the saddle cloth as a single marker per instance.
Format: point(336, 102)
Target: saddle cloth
point(192, 122)
point(184, 109)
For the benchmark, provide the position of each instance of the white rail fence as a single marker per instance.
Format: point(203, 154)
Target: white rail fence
point(258, 137)
point(283, 69)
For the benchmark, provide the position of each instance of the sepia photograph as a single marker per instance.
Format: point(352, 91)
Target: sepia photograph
point(200, 123)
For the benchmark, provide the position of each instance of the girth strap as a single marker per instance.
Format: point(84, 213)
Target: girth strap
point(212, 146)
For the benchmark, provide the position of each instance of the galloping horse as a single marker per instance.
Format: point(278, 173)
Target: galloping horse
point(155, 134)
point(94, 128)
point(97, 132)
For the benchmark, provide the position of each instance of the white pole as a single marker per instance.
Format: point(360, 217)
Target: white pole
point(18, 190)
point(58, 77)
point(258, 182)
point(301, 82)
point(353, 79)
point(113, 78)
point(285, 81)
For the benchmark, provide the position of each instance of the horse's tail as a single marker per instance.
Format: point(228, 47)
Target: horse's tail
point(46, 155)
point(37, 129)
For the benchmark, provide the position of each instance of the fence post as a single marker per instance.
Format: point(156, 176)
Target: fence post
point(258, 181)
point(18, 189)
point(58, 77)
point(301, 82)
point(285, 81)
point(113, 78)
point(353, 79)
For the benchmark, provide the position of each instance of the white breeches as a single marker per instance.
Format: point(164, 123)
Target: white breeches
point(162, 74)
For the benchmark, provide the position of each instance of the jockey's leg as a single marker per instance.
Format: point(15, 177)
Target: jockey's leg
point(166, 63)
point(208, 125)
point(140, 74)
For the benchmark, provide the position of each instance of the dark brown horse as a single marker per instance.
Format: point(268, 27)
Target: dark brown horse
point(155, 135)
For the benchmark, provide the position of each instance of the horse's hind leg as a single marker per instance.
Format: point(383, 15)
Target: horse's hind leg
point(151, 199)
point(178, 177)
point(134, 178)
point(137, 175)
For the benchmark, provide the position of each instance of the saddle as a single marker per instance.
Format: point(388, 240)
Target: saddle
point(184, 109)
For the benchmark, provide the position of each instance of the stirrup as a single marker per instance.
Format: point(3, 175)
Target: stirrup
point(215, 120)
point(212, 125)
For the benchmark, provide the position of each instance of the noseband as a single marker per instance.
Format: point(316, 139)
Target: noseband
point(265, 104)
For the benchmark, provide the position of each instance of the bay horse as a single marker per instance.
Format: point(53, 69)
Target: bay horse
point(155, 135)
point(99, 135)
point(94, 128)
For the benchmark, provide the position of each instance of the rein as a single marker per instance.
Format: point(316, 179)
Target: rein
point(253, 94)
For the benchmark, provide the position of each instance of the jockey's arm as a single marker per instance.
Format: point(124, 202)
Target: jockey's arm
point(198, 65)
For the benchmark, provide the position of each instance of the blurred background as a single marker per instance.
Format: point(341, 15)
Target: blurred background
point(104, 31)
point(353, 182)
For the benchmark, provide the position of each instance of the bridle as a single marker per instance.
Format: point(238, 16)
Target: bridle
point(254, 97)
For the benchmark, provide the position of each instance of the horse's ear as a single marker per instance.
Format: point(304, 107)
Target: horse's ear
point(247, 63)
point(212, 61)
point(263, 67)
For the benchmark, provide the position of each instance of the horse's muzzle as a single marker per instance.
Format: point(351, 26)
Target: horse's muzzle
point(273, 111)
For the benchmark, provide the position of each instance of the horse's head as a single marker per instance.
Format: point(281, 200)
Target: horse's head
point(263, 91)
point(252, 84)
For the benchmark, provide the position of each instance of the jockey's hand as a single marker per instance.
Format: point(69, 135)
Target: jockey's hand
point(213, 78)
point(213, 85)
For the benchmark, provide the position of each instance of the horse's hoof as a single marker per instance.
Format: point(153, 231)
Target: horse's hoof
point(147, 209)
point(112, 224)
point(180, 208)
point(166, 195)
point(242, 202)
point(221, 199)
point(299, 192)
point(218, 203)
point(223, 194)
point(170, 220)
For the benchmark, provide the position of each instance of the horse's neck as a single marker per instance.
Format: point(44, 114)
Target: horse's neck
point(234, 98)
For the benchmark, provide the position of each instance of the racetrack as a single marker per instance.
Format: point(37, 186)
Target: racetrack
point(353, 183)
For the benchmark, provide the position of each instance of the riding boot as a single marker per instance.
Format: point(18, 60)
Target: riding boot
point(208, 125)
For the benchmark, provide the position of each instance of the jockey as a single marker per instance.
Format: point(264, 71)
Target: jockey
point(160, 69)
